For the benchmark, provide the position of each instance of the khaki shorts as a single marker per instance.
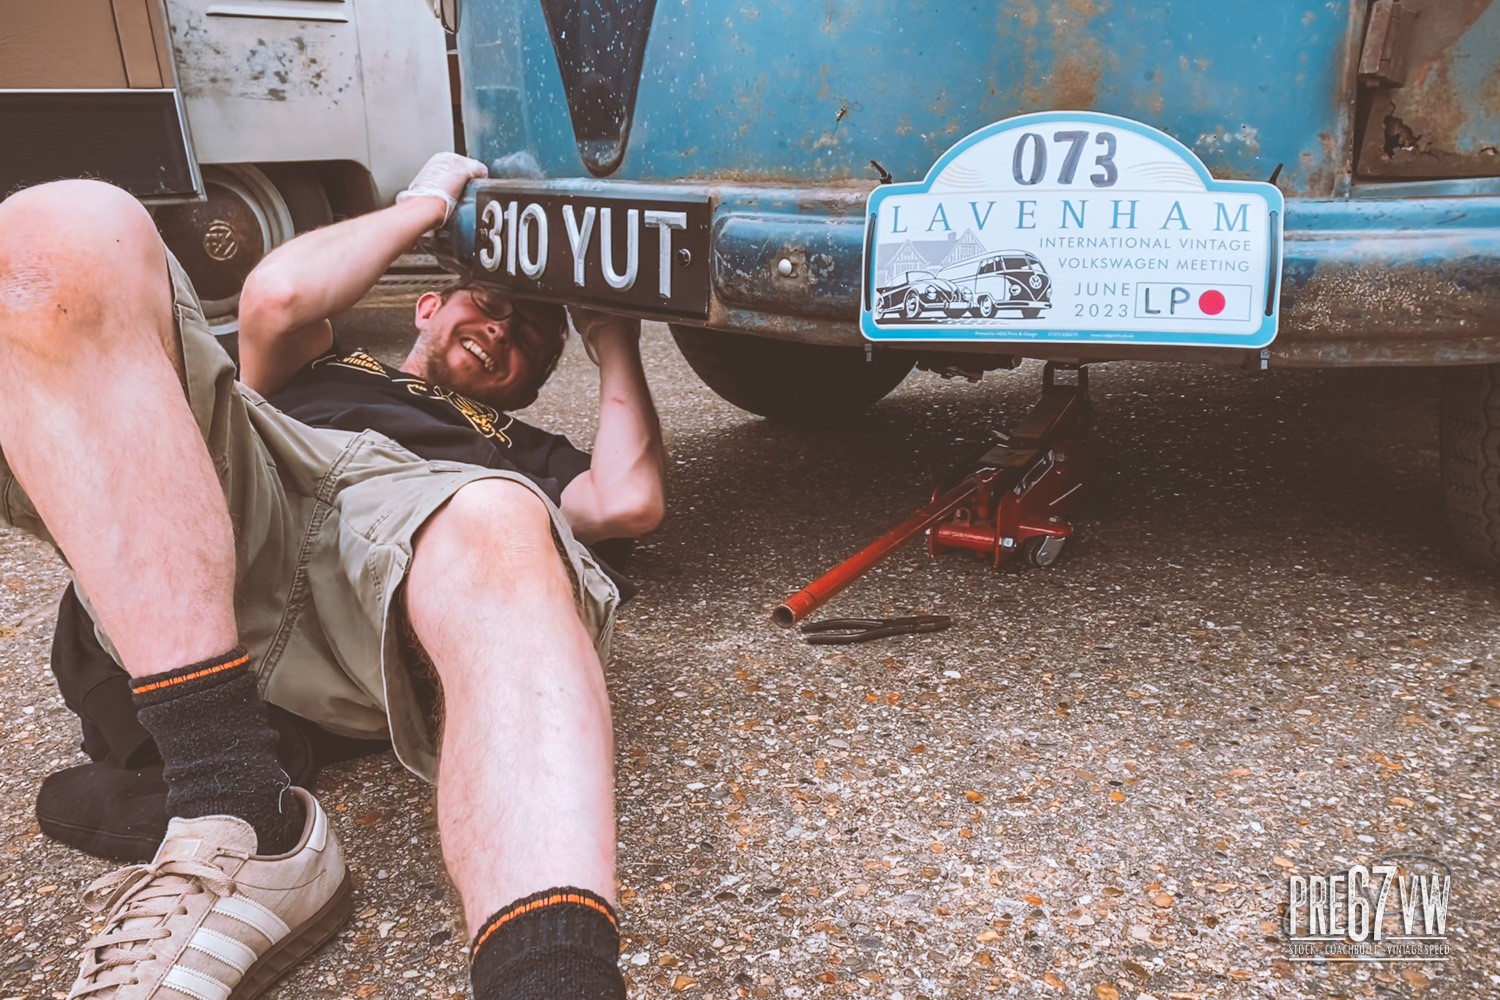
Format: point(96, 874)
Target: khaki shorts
point(323, 522)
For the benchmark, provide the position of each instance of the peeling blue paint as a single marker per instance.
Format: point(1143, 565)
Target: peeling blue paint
point(756, 90)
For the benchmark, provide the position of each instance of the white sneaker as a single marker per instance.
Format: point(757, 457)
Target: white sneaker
point(209, 919)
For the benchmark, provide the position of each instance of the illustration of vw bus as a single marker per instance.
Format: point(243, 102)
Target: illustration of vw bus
point(1011, 279)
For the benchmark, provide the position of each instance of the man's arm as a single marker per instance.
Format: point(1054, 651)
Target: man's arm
point(623, 494)
point(290, 295)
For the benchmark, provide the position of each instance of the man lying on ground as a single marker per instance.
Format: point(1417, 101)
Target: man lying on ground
point(227, 549)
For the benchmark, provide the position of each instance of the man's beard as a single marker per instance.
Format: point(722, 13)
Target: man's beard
point(434, 368)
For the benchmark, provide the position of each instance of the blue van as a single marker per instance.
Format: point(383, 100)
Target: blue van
point(712, 165)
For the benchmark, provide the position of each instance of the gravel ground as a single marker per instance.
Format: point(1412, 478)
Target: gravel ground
point(1262, 658)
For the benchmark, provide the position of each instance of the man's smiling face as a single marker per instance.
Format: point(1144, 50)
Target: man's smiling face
point(488, 347)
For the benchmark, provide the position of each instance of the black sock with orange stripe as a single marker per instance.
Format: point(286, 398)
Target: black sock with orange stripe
point(554, 944)
point(218, 750)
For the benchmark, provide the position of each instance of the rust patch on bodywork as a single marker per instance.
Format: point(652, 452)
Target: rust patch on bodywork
point(1069, 78)
point(1075, 81)
point(1442, 23)
point(1437, 315)
point(305, 65)
point(1323, 175)
point(1426, 129)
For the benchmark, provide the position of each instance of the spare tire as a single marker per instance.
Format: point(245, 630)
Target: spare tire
point(788, 381)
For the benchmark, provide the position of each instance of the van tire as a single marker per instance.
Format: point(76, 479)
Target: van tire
point(268, 206)
point(1469, 444)
point(781, 380)
point(302, 190)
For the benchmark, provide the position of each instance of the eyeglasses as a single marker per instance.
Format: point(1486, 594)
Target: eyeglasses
point(537, 328)
point(496, 307)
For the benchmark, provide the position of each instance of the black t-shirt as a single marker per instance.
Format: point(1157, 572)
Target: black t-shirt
point(352, 391)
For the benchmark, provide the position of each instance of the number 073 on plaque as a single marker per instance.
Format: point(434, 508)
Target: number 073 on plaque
point(1073, 227)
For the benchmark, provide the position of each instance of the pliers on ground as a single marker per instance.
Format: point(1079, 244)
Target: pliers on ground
point(838, 631)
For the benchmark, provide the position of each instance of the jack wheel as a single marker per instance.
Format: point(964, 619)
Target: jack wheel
point(1042, 551)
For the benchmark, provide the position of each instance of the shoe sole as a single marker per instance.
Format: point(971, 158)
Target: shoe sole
point(101, 843)
point(297, 945)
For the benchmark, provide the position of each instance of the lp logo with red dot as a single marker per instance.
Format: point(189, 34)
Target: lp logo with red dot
point(1162, 301)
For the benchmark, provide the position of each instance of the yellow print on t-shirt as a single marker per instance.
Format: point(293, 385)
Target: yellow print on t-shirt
point(481, 416)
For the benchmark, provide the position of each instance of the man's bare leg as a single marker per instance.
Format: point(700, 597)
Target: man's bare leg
point(94, 423)
point(95, 426)
point(526, 786)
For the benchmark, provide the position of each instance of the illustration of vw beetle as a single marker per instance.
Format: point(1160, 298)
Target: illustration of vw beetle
point(1010, 279)
point(920, 293)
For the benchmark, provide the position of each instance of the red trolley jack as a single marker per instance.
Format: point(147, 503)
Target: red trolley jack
point(1017, 503)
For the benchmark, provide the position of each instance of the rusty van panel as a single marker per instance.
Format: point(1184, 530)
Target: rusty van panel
point(1439, 117)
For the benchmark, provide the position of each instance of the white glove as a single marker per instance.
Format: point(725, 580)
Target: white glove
point(444, 176)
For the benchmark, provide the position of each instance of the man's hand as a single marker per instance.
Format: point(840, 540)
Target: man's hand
point(444, 177)
point(602, 333)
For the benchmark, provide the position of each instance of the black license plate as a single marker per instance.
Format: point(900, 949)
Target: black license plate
point(647, 253)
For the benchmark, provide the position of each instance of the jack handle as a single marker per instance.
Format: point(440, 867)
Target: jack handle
point(818, 593)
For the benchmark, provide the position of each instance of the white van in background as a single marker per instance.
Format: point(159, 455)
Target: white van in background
point(239, 122)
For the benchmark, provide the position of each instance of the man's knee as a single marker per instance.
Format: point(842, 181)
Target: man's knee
point(489, 549)
point(492, 528)
point(70, 242)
